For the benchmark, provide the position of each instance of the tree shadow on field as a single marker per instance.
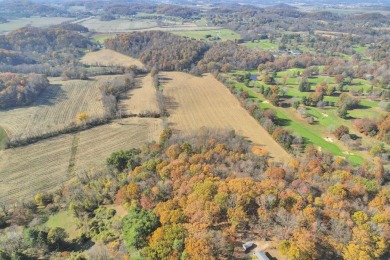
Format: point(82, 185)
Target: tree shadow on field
point(164, 79)
point(170, 104)
point(48, 97)
point(360, 106)
point(51, 95)
point(138, 82)
point(79, 245)
point(282, 122)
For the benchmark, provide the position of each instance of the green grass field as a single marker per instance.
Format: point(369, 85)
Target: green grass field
point(101, 37)
point(262, 44)
point(326, 119)
point(65, 220)
point(202, 22)
point(223, 34)
point(360, 49)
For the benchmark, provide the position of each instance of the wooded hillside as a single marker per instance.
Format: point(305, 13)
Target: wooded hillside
point(13, 58)
point(159, 49)
point(166, 51)
point(29, 39)
point(203, 195)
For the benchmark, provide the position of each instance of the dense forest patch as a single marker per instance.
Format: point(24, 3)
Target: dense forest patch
point(155, 49)
point(18, 90)
point(159, 49)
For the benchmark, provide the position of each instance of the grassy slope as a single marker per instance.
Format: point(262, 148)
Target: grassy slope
point(65, 220)
point(101, 37)
point(262, 44)
point(224, 34)
point(314, 134)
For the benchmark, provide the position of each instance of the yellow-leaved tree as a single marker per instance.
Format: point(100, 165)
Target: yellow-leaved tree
point(82, 117)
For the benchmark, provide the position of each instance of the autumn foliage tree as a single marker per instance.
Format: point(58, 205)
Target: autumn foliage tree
point(340, 131)
point(18, 90)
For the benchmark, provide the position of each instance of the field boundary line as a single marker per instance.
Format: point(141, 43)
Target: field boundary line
point(73, 154)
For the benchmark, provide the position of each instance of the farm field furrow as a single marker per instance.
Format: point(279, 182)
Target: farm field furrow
point(106, 57)
point(195, 102)
point(55, 109)
point(27, 170)
point(98, 143)
point(43, 166)
point(140, 100)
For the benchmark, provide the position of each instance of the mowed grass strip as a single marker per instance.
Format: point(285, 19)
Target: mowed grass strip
point(196, 102)
point(327, 118)
point(312, 134)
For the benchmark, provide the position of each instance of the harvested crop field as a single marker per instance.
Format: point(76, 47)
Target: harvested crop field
point(117, 25)
point(106, 57)
point(97, 144)
point(195, 102)
point(38, 167)
point(56, 108)
point(31, 21)
point(141, 100)
point(48, 164)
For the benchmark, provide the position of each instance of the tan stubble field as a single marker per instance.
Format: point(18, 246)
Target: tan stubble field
point(140, 100)
point(106, 57)
point(44, 166)
point(195, 102)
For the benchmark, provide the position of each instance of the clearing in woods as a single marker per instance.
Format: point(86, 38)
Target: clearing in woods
point(193, 102)
point(56, 108)
point(140, 100)
point(106, 57)
point(44, 166)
